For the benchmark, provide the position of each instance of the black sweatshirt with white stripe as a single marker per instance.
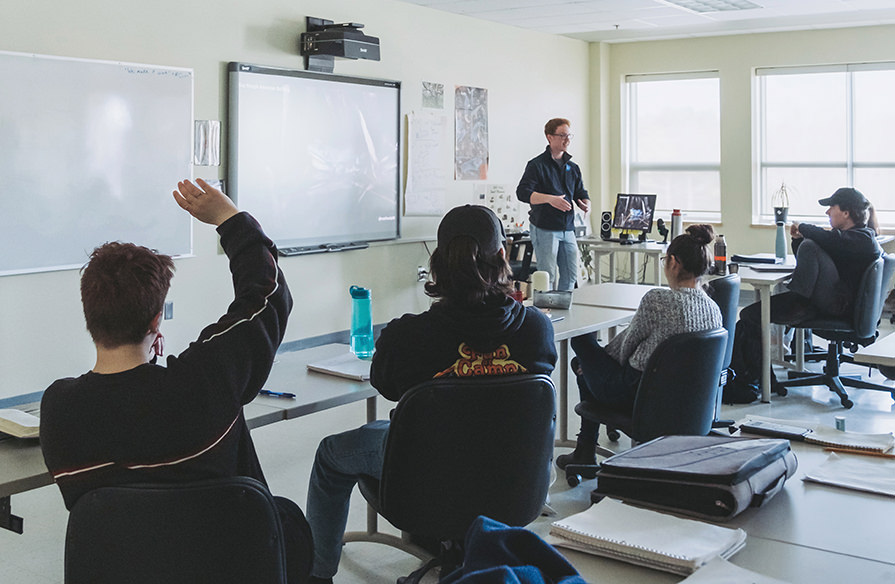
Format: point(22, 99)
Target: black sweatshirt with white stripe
point(183, 421)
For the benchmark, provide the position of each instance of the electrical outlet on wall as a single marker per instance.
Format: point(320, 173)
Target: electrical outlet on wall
point(421, 274)
point(169, 310)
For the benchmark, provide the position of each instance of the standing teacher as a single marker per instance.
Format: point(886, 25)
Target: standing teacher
point(550, 184)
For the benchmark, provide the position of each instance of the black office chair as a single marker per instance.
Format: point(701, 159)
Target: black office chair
point(520, 259)
point(677, 395)
point(219, 530)
point(851, 332)
point(725, 291)
point(459, 448)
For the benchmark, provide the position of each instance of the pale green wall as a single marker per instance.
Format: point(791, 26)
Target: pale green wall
point(735, 58)
point(530, 77)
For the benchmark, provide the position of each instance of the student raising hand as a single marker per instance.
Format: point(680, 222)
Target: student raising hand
point(204, 202)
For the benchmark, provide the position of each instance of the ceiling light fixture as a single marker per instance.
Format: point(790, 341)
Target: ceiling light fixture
point(702, 6)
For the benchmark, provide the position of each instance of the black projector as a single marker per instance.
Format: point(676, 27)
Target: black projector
point(341, 40)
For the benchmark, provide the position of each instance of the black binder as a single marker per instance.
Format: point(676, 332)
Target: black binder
point(710, 477)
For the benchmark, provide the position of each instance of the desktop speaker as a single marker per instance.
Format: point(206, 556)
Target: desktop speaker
point(606, 225)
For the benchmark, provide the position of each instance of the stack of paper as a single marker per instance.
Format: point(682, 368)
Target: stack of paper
point(814, 433)
point(862, 473)
point(647, 538)
point(19, 424)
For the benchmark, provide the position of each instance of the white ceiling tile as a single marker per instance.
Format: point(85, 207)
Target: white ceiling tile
point(595, 20)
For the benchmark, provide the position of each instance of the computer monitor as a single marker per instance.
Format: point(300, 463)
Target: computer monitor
point(634, 212)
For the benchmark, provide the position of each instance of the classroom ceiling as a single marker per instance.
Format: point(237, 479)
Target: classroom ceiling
point(616, 21)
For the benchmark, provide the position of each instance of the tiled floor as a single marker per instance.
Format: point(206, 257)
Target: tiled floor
point(287, 450)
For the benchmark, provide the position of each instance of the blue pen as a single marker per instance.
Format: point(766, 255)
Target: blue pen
point(276, 393)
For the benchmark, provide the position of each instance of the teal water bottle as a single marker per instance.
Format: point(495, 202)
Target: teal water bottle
point(780, 246)
point(361, 322)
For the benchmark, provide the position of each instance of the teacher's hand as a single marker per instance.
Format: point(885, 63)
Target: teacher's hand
point(794, 230)
point(204, 202)
point(559, 202)
point(583, 204)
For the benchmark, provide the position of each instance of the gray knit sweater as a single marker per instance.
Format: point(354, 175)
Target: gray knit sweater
point(663, 312)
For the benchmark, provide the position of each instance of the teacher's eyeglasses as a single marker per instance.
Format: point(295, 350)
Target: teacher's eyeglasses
point(563, 136)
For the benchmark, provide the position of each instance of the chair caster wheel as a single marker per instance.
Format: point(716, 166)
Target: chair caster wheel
point(613, 435)
point(573, 480)
point(847, 403)
point(781, 391)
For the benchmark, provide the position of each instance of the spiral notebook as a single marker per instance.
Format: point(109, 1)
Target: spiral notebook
point(819, 434)
point(646, 538)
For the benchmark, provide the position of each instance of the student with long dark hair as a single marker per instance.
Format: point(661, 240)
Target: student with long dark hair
point(473, 328)
point(610, 375)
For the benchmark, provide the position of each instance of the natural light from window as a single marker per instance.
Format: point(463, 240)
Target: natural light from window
point(673, 142)
point(822, 128)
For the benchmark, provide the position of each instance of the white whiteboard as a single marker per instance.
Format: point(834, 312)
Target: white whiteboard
point(90, 152)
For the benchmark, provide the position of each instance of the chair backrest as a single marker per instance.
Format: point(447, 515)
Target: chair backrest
point(678, 389)
point(463, 447)
point(219, 530)
point(725, 291)
point(522, 266)
point(871, 295)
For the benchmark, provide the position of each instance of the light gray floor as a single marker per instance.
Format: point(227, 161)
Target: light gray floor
point(287, 451)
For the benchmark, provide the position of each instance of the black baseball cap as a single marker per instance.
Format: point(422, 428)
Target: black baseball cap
point(847, 198)
point(475, 221)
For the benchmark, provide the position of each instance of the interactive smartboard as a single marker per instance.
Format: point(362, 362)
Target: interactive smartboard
point(90, 152)
point(314, 157)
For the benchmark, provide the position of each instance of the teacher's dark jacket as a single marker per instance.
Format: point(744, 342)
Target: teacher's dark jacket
point(550, 177)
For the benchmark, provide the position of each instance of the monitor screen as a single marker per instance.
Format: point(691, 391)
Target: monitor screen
point(315, 157)
point(634, 212)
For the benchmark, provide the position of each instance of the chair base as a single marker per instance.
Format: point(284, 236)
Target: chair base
point(575, 473)
point(832, 379)
point(402, 543)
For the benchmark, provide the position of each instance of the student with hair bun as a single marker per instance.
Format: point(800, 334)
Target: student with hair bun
point(610, 375)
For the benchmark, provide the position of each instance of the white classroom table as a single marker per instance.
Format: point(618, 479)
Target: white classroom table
point(611, 295)
point(764, 283)
point(808, 533)
point(611, 248)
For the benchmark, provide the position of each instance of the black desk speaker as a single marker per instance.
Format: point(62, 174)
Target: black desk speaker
point(606, 225)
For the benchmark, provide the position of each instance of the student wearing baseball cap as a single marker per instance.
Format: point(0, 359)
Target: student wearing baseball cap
point(829, 266)
point(473, 328)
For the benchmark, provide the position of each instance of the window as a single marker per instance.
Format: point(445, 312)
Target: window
point(673, 142)
point(821, 128)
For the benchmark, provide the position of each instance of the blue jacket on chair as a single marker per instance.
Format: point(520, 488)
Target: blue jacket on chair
point(497, 554)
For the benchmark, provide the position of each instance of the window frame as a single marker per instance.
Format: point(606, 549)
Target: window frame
point(849, 164)
point(630, 167)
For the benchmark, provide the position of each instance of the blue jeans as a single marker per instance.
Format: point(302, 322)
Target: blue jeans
point(603, 380)
point(556, 250)
point(341, 459)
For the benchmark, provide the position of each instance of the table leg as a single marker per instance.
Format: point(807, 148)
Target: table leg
point(371, 409)
point(563, 409)
point(764, 293)
point(635, 267)
point(613, 274)
point(657, 273)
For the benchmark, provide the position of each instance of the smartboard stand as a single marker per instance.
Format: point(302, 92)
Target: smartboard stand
point(324, 248)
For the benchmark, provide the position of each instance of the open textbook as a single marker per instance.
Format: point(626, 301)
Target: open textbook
point(646, 538)
point(19, 424)
point(814, 433)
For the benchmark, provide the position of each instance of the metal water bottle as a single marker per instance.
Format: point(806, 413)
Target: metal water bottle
point(780, 201)
point(677, 224)
point(720, 256)
point(780, 245)
point(361, 322)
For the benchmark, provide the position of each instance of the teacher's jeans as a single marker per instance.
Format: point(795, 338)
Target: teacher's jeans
point(556, 250)
point(341, 459)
